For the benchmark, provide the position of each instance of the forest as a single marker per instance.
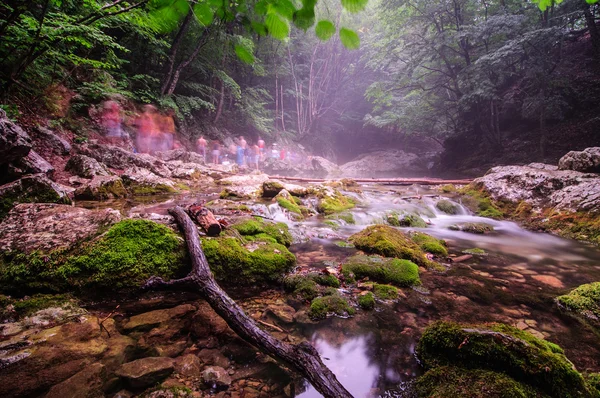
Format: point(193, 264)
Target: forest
point(467, 74)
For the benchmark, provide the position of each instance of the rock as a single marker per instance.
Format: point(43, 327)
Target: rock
point(479, 228)
point(33, 163)
point(146, 372)
point(142, 181)
point(34, 188)
point(101, 188)
point(271, 188)
point(151, 319)
point(14, 142)
point(213, 357)
point(85, 166)
point(549, 280)
point(281, 312)
point(244, 186)
point(45, 227)
point(58, 145)
point(119, 158)
point(583, 302)
point(279, 167)
point(571, 190)
point(85, 384)
point(216, 376)
point(383, 163)
point(324, 168)
point(188, 365)
point(587, 161)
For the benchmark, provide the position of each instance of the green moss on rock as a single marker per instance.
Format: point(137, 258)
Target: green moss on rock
point(366, 301)
point(333, 304)
point(385, 292)
point(430, 244)
point(335, 203)
point(30, 305)
point(447, 207)
point(289, 205)
point(258, 261)
point(480, 202)
point(504, 349)
point(257, 228)
point(389, 242)
point(583, 302)
point(384, 270)
point(475, 251)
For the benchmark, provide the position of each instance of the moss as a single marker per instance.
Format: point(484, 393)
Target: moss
point(144, 190)
point(448, 188)
point(383, 270)
point(430, 244)
point(449, 381)
point(389, 242)
point(366, 301)
point(270, 189)
point(479, 228)
point(393, 220)
point(412, 221)
point(447, 207)
point(326, 280)
point(583, 301)
point(38, 302)
point(258, 228)
point(289, 205)
point(301, 286)
point(579, 225)
point(503, 349)
point(480, 202)
point(385, 292)
point(334, 304)
point(107, 190)
point(332, 224)
point(124, 257)
point(335, 203)
point(31, 190)
point(593, 380)
point(343, 243)
point(260, 261)
point(475, 251)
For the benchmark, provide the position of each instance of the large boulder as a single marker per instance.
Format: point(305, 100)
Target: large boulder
point(587, 161)
point(14, 142)
point(56, 143)
point(244, 186)
point(323, 167)
point(102, 188)
point(383, 163)
point(87, 383)
point(141, 181)
point(32, 163)
point(43, 227)
point(85, 166)
point(33, 188)
point(542, 187)
point(119, 158)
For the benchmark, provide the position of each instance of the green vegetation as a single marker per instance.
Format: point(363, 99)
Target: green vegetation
point(307, 286)
point(480, 202)
point(475, 251)
point(335, 203)
point(447, 207)
point(271, 189)
point(258, 228)
point(110, 189)
point(478, 228)
point(348, 218)
point(503, 349)
point(389, 242)
point(289, 205)
point(332, 224)
point(406, 220)
point(128, 254)
point(28, 306)
point(385, 292)
point(430, 244)
point(320, 307)
point(138, 189)
point(584, 301)
point(384, 270)
point(366, 301)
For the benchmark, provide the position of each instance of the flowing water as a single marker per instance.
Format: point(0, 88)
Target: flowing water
point(373, 353)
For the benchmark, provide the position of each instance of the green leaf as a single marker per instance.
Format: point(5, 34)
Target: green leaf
point(259, 28)
point(349, 38)
point(285, 8)
point(203, 13)
point(244, 55)
point(325, 29)
point(356, 5)
point(277, 27)
point(304, 18)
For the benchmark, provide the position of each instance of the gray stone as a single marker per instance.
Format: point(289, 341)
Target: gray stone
point(188, 365)
point(102, 188)
point(33, 163)
point(58, 144)
point(140, 179)
point(383, 163)
point(33, 188)
point(244, 186)
point(323, 167)
point(85, 166)
point(85, 384)
point(216, 376)
point(14, 142)
point(119, 158)
point(148, 320)
point(146, 372)
point(587, 160)
point(45, 227)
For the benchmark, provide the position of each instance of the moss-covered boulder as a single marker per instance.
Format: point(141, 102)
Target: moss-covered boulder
point(366, 301)
point(334, 202)
point(405, 220)
point(334, 304)
point(102, 188)
point(503, 349)
point(385, 292)
point(124, 257)
point(430, 244)
point(380, 269)
point(389, 242)
point(261, 229)
point(583, 302)
point(31, 189)
point(447, 207)
point(478, 228)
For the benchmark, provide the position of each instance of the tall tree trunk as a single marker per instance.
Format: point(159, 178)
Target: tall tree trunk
point(282, 109)
point(593, 29)
point(220, 104)
point(168, 72)
point(542, 124)
point(184, 64)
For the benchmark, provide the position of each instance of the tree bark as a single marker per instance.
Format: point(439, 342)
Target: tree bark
point(168, 73)
point(399, 181)
point(302, 357)
point(205, 219)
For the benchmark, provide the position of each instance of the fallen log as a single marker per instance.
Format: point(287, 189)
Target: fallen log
point(398, 181)
point(302, 358)
point(205, 219)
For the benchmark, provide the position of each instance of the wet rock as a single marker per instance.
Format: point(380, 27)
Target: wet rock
point(281, 312)
point(141, 181)
point(85, 166)
point(582, 197)
point(213, 357)
point(549, 280)
point(479, 228)
point(119, 158)
point(85, 384)
point(383, 163)
point(189, 171)
point(58, 144)
point(33, 163)
point(324, 168)
point(102, 188)
point(583, 302)
point(123, 394)
point(152, 319)
point(34, 188)
point(271, 188)
point(188, 365)
point(243, 186)
point(587, 161)
point(146, 372)
point(216, 377)
point(14, 142)
point(44, 227)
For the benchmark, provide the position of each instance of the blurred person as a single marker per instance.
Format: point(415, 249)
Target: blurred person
point(216, 149)
point(274, 151)
point(282, 154)
point(111, 121)
point(166, 135)
point(261, 147)
point(201, 147)
point(240, 156)
point(177, 144)
point(146, 129)
point(243, 142)
point(255, 157)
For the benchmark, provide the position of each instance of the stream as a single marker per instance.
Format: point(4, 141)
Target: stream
point(373, 353)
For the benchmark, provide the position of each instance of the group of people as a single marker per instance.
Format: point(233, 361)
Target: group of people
point(245, 155)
